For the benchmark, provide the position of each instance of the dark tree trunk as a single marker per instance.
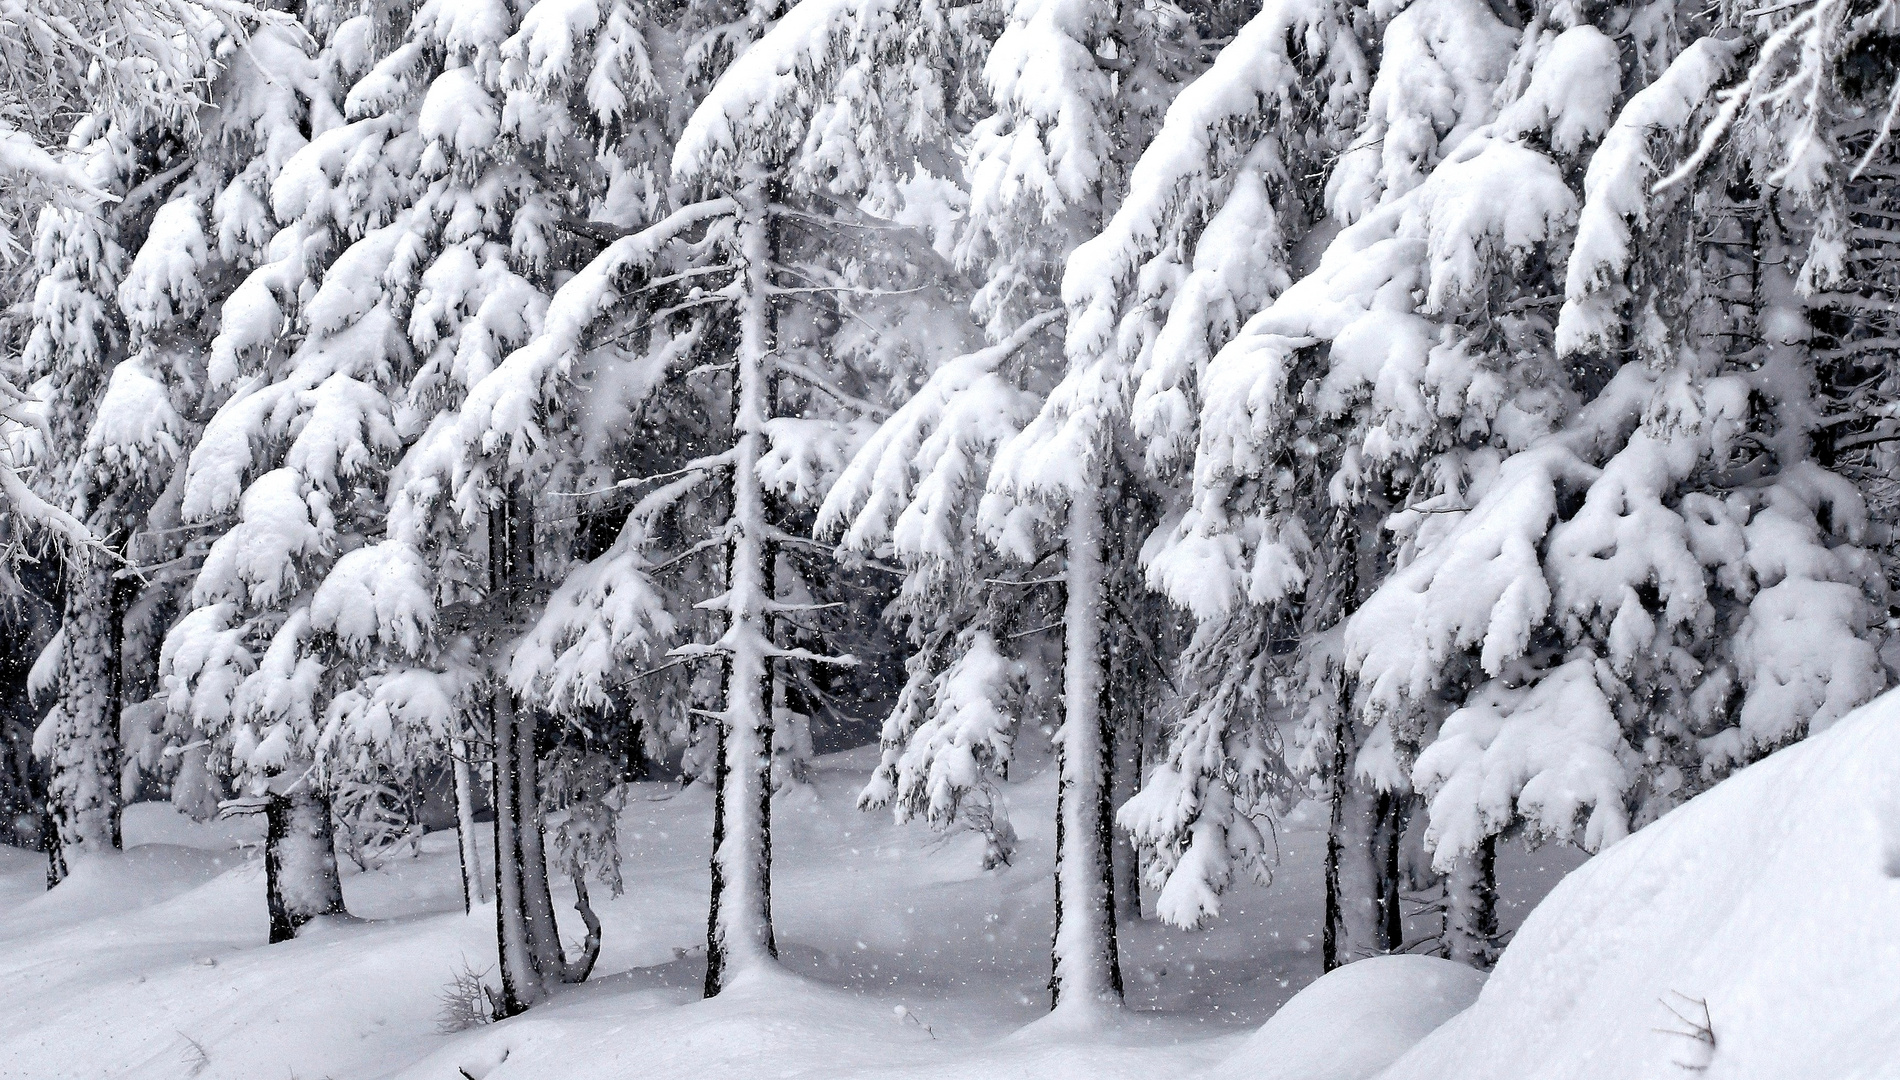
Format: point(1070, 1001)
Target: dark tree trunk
point(521, 978)
point(1388, 836)
point(1126, 751)
point(1359, 922)
point(528, 939)
point(715, 956)
point(1362, 909)
point(300, 877)
point(1471, 907)
point(56, 869)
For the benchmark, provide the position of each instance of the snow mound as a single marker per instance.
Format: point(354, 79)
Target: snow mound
point(1747, 934)
point(1354, 1021)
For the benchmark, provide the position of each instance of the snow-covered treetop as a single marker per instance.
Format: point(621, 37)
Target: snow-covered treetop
point(1199, 241)
point(1616, 194)
point(843, 93)
point(1037, 164)
point(1440, 65)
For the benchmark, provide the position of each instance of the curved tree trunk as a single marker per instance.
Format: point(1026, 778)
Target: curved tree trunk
point(300, 876)
point(577, 969)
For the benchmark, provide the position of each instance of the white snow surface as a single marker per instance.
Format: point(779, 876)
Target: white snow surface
point(902, 958)
point(1354, 1020)
point(1769, 899)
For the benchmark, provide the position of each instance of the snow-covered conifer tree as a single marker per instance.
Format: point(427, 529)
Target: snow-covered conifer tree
point(307, 351)
point(725, 326)
point(1078, 89)
point(1205, 237)
point(1068, 464)
point(115, 348)
point(1565, 633)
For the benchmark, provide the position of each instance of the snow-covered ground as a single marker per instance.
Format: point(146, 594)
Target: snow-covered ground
point(902, 956)
point(1753, 933)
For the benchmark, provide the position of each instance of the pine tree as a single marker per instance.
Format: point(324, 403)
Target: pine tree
point(833, 88)
point(1077, 90)
point(112, 349)
point(1073, 455)
point(726, 396)
point(1205, 237)
point(306, 350)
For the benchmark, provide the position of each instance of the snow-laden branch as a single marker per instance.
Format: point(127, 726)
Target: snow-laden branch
point(910, 478)
point(501, 415)
point(1619, 187)
point(757, 106)
point(20, 155)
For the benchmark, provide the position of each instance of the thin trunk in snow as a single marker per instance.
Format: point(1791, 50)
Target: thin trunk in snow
point(474, 886)
point(56, 868)
point(739, 924)
point(1086, 965)
point(1355, 921)
point(300, 876)
point(521, 980)
point(1126, 752)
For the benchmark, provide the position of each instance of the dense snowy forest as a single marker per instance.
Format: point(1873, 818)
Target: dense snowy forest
point(1463, 427)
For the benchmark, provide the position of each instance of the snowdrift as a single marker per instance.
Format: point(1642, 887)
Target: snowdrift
point(1354, 1021)
point(1750, 933)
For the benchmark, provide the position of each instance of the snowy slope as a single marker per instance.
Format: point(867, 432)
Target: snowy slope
point(1354, 1021)
point(160, 952)
point(1772, 898)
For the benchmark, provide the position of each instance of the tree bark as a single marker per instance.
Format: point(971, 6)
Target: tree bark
point(474, 886)
point(521, 979)
point(1086, 967)
point(739, 923)
point(1356, 920)
point(84, 786)
point(1471, 907)
point(300, 876)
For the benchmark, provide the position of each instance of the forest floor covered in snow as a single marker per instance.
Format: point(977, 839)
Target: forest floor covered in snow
point(902, 957)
